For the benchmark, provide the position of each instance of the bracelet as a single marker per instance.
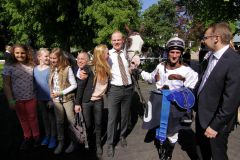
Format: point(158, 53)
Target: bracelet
point(12, 102)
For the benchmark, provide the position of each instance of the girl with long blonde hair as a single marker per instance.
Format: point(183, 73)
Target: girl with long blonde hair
point(90, 93)
point(100, 62)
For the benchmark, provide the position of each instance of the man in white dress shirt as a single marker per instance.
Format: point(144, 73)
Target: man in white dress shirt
point(119, 94)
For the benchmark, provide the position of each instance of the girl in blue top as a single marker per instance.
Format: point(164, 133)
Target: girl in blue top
point(41, 76)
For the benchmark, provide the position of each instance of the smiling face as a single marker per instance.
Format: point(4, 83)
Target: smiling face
point(53, 60)
point(82, 60)
point(20, 54)
point(117, 41)
point(44, 58)
point(174, 56)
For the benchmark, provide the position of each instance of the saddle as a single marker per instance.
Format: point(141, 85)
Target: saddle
point(183, 97)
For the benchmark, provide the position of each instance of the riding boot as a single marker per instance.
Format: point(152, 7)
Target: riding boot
point(169, 150)
point(166, 150)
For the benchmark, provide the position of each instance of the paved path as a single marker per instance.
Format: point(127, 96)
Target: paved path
point(137, 149)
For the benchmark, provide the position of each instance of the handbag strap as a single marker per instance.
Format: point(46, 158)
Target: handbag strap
point(81, 118)
point(77, 121)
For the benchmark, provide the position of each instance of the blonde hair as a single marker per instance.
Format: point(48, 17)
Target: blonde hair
point(102, 67)
point(62, 60)
point(40, 52)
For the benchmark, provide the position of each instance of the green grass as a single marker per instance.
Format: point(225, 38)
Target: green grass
point(1, 79)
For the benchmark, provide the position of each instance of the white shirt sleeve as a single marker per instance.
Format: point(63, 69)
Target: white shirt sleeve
point(191, 78)
point(72, 81)
point(78, 74)
point(150, 77)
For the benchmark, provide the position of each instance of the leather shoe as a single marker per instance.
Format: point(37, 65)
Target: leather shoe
point(110, 151)
point(123, 142)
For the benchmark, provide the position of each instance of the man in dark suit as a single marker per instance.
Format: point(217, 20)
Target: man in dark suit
point(217, 94)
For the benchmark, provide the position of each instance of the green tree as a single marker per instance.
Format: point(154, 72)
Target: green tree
point(106, 16)
point(76, 23)
point(214, 11)
point(205, 12)
point(159, 23)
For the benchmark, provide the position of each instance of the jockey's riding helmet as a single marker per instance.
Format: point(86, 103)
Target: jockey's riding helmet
point(175, 43)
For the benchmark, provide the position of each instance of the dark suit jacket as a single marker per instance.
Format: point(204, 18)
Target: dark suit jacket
point(219, 98)
point(85, 87)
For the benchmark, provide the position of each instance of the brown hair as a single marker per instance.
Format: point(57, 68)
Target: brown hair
point(62, 60)
point(223, 30)
point(29, 54)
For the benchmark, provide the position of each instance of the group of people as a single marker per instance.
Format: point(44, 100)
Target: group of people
point(61, 91)
point(216, 91)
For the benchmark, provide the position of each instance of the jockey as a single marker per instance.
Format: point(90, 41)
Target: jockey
point(173, 74)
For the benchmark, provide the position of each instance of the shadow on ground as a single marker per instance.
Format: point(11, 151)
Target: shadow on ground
point(11, 136)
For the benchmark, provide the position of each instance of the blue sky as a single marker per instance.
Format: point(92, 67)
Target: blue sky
point(148, 3)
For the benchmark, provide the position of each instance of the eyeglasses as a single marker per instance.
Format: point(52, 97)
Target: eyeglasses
point(206, 37)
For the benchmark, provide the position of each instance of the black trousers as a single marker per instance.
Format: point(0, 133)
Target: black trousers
point(92, 112)
point(215, 148)
point(119, 101)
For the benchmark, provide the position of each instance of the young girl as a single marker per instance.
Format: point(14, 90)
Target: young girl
point(19, 90)
point(62, 84)
point(41, 76)
point(90, 94)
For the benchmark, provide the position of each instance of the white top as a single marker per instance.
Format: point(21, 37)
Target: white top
point(113, 62)
point(191, 77)
point(71, 79)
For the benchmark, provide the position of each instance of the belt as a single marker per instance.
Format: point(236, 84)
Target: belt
point(121, 86)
